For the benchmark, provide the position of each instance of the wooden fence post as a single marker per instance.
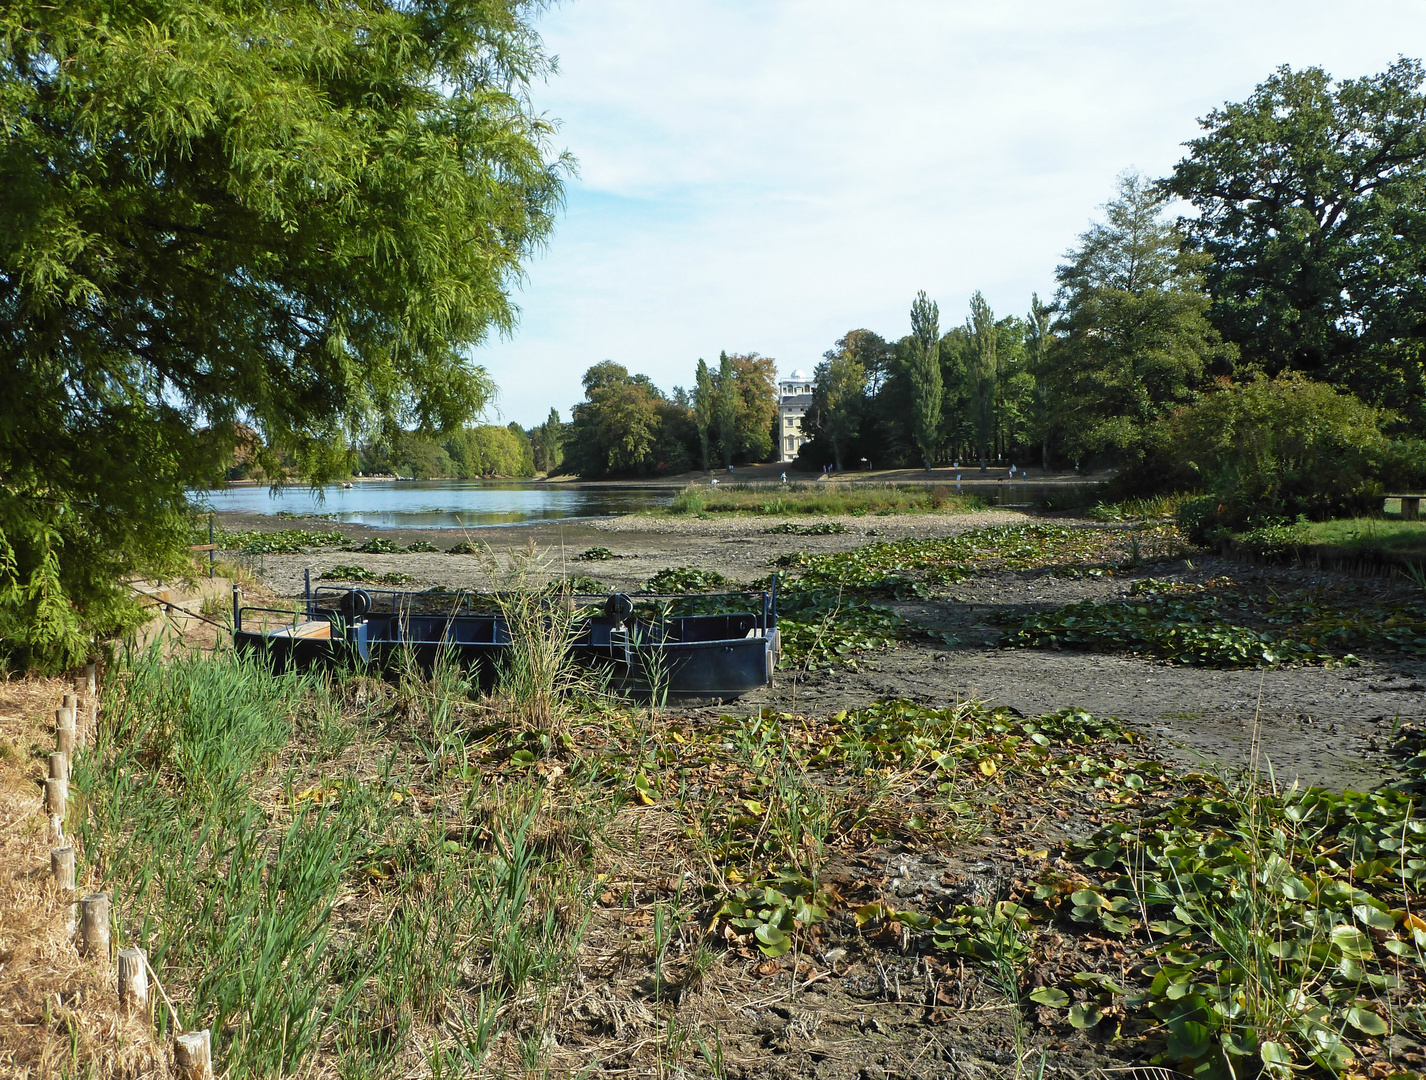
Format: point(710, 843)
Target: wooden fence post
point(56, 830)
point(71, 702)
point(56, 794)
point(62, 866)
point(133, 983)
point(59, 766)
point(94, 926)
point(193, 1054)
point(64, 734)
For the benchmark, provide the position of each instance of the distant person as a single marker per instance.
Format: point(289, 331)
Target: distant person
point(784, 478)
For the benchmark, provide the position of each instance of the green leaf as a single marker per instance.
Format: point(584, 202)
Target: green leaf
point(1084, 1014)
point(771, 940)
point(1049, 995)
point(1355, 944)
point(1366, 1021)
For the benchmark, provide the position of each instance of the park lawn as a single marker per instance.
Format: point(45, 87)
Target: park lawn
point(820, 498)
point(1363, 533)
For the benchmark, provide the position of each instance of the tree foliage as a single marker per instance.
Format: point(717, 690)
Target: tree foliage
point(838, 396)
point(1134, 335)
point(1275, 448)
point(1311, 212)
point(925, 373)
point(296, 216)
point(982, 374)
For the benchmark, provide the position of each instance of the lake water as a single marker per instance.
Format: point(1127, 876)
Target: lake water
point(439, 504)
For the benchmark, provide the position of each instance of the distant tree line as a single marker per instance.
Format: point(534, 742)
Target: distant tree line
point(626, 426)
point(464, 454)
point(1296, 279)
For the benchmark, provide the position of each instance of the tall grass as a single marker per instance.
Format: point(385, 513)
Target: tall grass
point(821, 498)
point(301, 908)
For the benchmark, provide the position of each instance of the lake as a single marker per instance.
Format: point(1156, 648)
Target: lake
point(438, 504)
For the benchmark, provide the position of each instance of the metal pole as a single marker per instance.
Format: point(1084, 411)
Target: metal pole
point(237, 608)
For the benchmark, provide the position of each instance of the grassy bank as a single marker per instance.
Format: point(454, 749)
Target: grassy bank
point(826, 498)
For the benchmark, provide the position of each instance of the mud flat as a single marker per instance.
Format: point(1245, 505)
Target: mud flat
point(1313, 724)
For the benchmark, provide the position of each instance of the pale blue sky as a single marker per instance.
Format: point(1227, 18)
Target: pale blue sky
point(766, 176)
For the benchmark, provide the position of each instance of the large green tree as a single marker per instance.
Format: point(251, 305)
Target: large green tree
point(1134, 336)
point(1311, 204)
point(838, 396)
point(925, 374)
point(300, 216)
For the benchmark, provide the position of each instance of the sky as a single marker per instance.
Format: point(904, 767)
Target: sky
point(765, 176)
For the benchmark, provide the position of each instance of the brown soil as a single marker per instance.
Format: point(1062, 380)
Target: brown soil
point(1320, 725)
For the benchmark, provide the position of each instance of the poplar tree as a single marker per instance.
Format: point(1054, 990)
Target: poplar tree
point(1037, 342)
point(291, 218)
point(983, 374)
point(925, 372)
point(726, 407)
point(704, 402)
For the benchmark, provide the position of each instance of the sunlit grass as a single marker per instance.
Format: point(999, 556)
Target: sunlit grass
point(830, 498)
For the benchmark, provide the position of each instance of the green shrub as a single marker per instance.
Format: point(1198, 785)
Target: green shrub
point(1272, 449)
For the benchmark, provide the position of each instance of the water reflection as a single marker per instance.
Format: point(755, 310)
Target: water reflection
point(437, 504)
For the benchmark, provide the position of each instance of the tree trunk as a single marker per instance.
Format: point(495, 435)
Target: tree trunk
point(1045, 455)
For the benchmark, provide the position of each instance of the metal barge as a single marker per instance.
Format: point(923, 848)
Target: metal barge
point(719, 645)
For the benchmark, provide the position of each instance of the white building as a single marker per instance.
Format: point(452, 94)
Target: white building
point(794, 398)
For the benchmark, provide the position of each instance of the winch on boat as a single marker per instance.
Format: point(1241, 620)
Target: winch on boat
point(685, 645)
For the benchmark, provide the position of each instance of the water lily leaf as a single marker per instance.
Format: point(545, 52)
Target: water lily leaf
point(1275, 1055)
point(1084, 1014)
point(1355, 944)
point(1366, 1021)
point(771, 940)
point(1049, 995)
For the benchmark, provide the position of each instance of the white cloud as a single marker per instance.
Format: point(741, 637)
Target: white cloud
point(769, 175)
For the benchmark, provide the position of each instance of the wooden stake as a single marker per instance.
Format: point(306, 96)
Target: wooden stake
point(89, 678)
point(62, 866)
point(81, 733)
point(94, 926)
point(64, 732)
point(59, 766)
point(133, 983)
point(193, 1054)
point(56, 830)
point(56, 794)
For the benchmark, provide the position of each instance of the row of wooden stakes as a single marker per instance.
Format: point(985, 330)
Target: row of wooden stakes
point(192, 1051)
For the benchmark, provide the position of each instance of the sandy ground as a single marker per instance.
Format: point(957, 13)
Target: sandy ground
point(1314, 725)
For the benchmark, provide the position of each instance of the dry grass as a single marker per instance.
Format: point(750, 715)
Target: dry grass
point(56, 1010)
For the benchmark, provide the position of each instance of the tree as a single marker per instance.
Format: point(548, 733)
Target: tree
point(615, 428)
point(925, 371)
point(301, 217)
point(547, 444)
point(755, 406)
point(983, 374)
point(1134, 336)
point(1311, 201)
point(1037, 343)
point(704, 407)
point(838, 392)
point(725, 408)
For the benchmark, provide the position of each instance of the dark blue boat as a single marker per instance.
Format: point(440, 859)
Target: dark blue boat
point(706, 645)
